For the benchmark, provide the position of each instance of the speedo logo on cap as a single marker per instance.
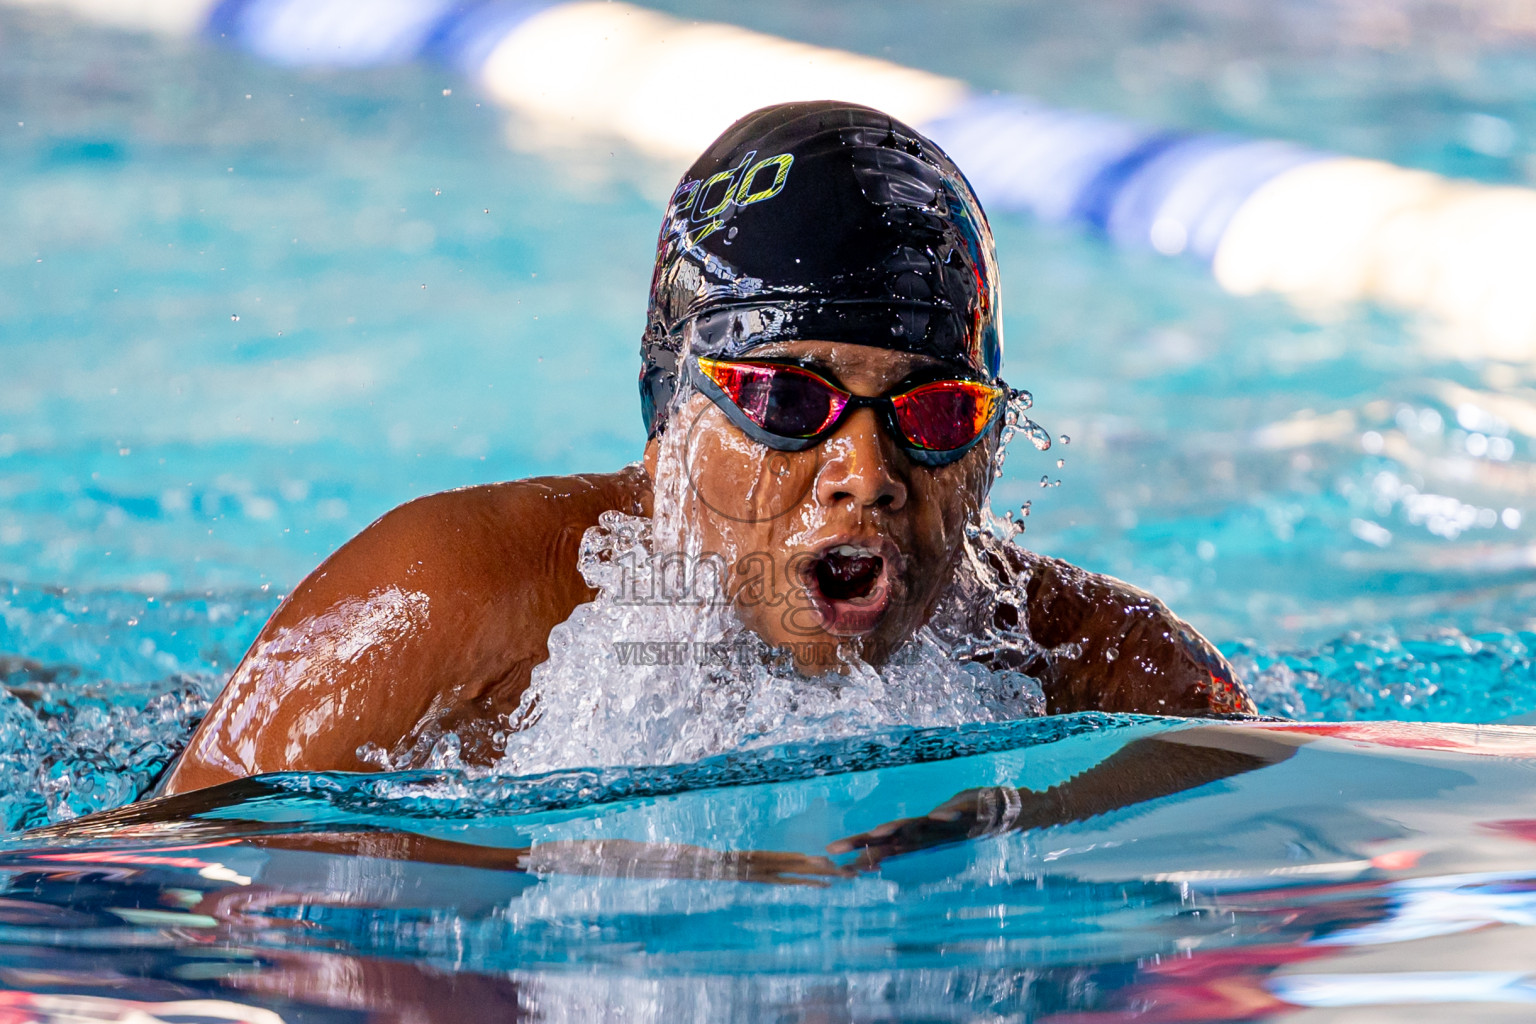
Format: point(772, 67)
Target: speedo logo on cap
point(706, 202)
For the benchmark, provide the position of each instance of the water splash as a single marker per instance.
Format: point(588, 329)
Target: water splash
point(1439, 675)
point(678, 679)
point(69, 747)
point(659, 668)
point(100, 688)
point(1016, 421)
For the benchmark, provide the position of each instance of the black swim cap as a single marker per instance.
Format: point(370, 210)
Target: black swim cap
point(820, 221)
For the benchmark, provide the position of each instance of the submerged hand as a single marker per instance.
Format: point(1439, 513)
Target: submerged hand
point(969, 814)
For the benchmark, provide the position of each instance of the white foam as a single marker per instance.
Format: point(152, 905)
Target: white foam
point(590, 704)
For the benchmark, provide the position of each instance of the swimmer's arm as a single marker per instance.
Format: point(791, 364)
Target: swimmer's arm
point(197, 819)
point(606, 858)
point(1143, 770)
point(1107, 646)
point(440, 608)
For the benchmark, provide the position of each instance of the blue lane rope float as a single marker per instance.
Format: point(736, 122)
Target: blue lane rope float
point(1265, 215)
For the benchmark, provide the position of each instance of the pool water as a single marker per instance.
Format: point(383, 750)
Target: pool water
point(245, 310)
point(1351, 875)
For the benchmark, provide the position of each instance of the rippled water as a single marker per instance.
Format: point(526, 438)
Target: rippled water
point(1355, 870)
point(244, 311)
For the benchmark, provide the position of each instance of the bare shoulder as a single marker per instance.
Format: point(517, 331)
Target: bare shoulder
point(438, 610)
point(473, 547)
point(538, 504)
point(1105, 645)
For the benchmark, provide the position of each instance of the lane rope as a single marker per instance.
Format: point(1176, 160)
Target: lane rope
point(1266, 215)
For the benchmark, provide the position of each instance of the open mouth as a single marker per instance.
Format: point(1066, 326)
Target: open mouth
point(850, 585)
point(847, 573)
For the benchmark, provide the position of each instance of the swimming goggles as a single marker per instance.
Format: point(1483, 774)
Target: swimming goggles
point(790, 408)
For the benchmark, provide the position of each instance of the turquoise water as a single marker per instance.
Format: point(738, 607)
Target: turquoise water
point(244, 311)
point(1342, 877)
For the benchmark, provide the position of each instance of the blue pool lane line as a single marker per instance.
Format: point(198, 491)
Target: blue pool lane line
point(1265, 215)
point(1176, 192)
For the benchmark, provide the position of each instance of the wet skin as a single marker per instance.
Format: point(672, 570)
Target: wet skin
point(433, 618)
point(773, 516)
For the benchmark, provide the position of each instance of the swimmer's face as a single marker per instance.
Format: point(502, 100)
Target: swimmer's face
point(847, 544)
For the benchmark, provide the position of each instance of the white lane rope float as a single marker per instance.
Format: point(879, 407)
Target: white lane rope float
point(1265, 215)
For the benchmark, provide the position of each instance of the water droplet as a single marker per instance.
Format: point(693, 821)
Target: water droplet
point(1024, 399)
point(1064, 439)
point(1060, 463)
point(437, 191)
point(1055, 483)
point(1045, 481)
point(1038, 435)
point(234, 317)
point(447, 92)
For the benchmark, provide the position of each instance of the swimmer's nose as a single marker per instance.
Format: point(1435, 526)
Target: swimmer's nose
point(857, 467)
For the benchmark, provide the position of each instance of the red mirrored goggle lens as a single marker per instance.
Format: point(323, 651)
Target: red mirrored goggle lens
point(947, 413)
point(793, 402)
point(783, 400)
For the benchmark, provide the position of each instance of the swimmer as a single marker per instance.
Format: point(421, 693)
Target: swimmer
point(821, 368)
